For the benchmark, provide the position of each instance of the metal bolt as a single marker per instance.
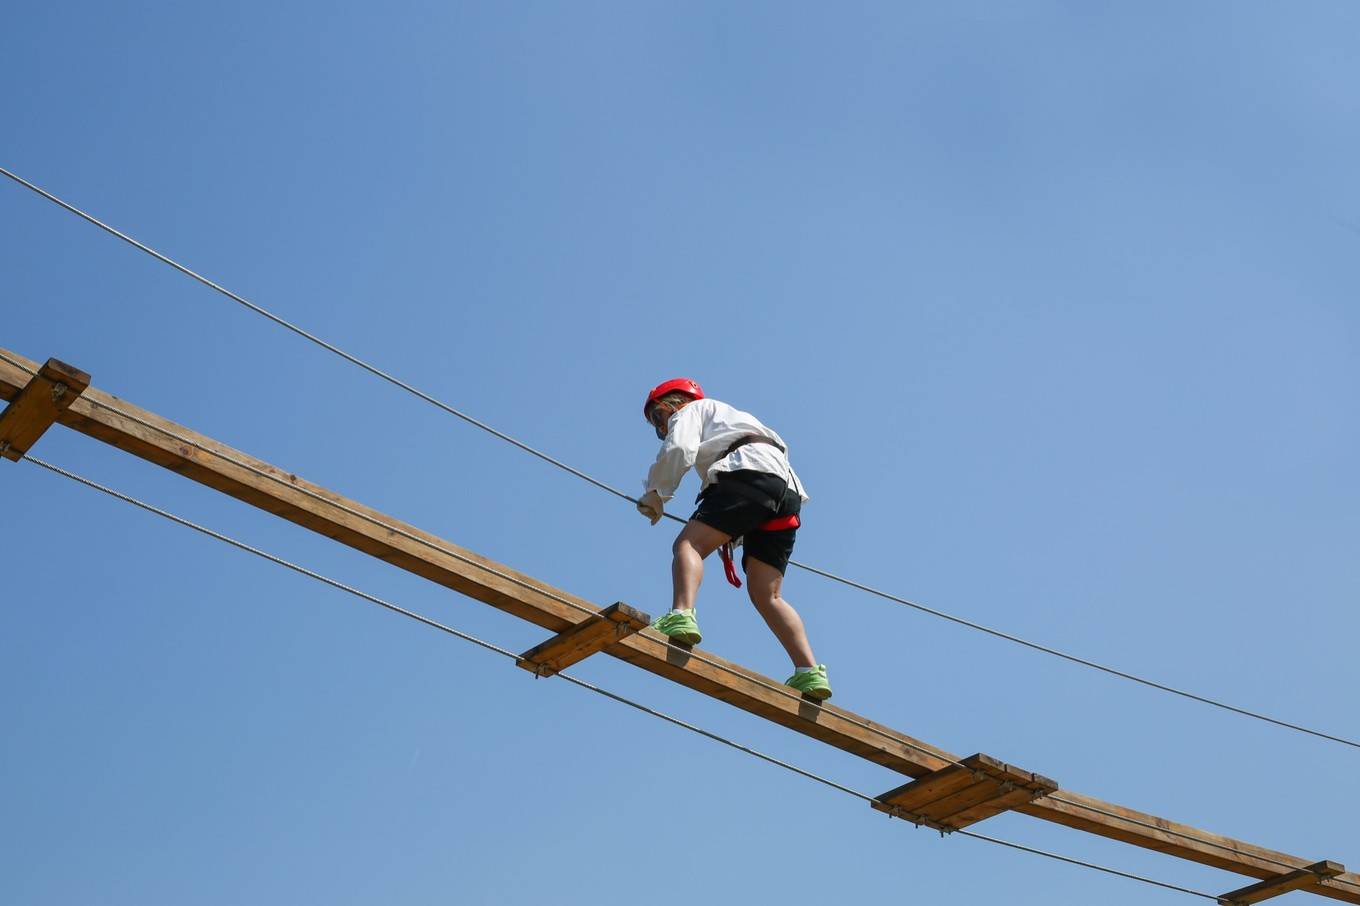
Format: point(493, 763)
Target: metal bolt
point(58, 391)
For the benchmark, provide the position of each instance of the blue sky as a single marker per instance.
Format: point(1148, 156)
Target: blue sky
point(1055, 304)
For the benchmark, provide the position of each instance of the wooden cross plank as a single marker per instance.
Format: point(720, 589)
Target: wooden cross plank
point(945, 782)
point(36, 408)
point(282, 494)
point(587, 637)
point(1274, 887)
point(1004, 803)
point(962, 794)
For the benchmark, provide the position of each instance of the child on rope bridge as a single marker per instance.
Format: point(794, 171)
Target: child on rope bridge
point(749, 492)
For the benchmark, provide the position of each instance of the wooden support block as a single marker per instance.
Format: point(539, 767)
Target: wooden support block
point(962, 794)
point(37, 407)
point(594, 633)
point(1274, 887)
point(1004, 803)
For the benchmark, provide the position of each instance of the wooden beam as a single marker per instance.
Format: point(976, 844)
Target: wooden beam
point(290, 497)
point(1274, 887)
point(584, 639)
point(202, 459)
point(37, 406)
point(1086, 813)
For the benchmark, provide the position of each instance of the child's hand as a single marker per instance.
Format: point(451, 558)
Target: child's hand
point(651, 506)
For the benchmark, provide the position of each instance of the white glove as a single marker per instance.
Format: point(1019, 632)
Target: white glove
point(651, 506)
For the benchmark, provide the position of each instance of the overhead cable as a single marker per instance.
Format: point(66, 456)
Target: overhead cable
point(613, 696)
point(451, 410)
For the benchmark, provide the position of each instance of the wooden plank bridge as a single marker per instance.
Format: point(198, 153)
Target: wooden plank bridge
point(946, 792)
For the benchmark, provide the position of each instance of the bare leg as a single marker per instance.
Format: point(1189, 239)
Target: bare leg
point(763, 583)
point(695, 542)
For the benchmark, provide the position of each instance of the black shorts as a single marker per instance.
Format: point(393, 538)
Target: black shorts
point(739, 501)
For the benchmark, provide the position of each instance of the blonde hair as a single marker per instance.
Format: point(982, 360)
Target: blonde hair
point(675, 399)
point(672, 403)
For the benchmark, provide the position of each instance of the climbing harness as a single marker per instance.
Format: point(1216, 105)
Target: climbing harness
point(778, 524)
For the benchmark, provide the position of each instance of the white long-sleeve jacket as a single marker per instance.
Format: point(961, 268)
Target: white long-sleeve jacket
point(698, 434)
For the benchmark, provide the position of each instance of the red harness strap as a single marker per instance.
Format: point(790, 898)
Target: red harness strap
point(728, 566)
point(777, 524)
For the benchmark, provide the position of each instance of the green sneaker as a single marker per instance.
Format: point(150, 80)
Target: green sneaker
point(812, 684)
point(680, 625)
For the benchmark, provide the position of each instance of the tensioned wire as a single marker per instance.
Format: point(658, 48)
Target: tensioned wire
point(434, 401)
point(709, 734)
point(573, 604)
point(780, 690)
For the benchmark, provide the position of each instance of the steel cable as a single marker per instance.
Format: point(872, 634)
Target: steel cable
point(1054, 796)
point(697, 655)
point(434, 401)
point(613, 696)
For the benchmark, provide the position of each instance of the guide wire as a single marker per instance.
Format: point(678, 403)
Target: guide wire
point(451, 410)
point(434, 624)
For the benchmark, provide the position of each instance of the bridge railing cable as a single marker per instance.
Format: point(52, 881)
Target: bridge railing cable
point(826, 574)
point(576, 681)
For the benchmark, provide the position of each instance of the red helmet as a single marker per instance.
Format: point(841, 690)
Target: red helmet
point(675, 385)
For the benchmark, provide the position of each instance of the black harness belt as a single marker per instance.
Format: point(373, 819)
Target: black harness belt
point(779, 523)
point(751, 439)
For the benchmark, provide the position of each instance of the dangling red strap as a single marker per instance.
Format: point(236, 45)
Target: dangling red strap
point(774, 525)
point(728, 566)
